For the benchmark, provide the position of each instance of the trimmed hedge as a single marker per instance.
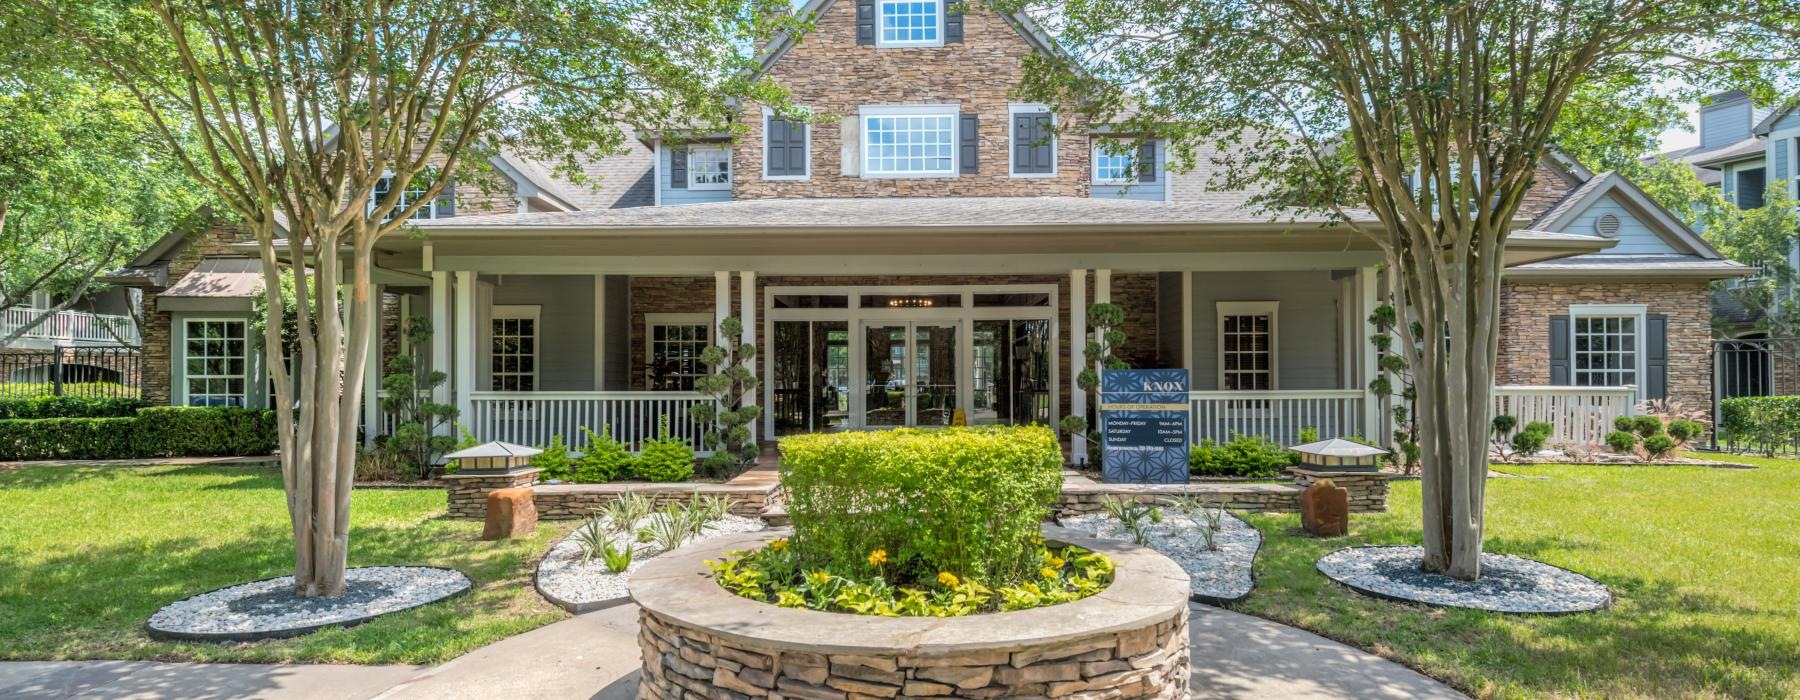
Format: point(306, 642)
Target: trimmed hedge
point(1766, 423)
point(964, 500)
point(68, 407)
point(171, 431)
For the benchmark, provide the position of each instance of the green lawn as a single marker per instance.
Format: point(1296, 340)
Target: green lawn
point(87, 554)
point(1704, 565)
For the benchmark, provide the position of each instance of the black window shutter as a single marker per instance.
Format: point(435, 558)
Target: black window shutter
point(787, 147)
point(446, 201)
point(1146, 158)
point(796, 148)
point(1656, 356)
point(1559, 351)
point(968, 145)
point(678, 168)
point(776, 152)
point(1033, 145)
point(865, 22)
point(953, 23)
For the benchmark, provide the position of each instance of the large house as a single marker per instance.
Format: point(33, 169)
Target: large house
point(923, 252)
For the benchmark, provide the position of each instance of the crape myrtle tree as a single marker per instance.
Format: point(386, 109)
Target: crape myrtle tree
point(298, 108)
point(1419, 124)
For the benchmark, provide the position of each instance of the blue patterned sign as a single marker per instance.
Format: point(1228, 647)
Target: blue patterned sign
point(1144, 426)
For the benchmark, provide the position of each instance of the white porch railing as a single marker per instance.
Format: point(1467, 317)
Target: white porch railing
point(72, 327)
point(1582, 415)
point(1277, 415)
point(532, 417)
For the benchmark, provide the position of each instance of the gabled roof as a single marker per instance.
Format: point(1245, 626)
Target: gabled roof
point(1559, 217)
point(1763, 127)
point(778, 45)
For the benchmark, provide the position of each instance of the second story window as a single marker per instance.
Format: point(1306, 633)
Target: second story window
point(1749, 190)
point(903, 23)
point(439, 208)
point(909, 142)
point(709, 168)
point(1112, 164)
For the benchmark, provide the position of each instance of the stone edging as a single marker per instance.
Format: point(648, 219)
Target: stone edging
point(1610, 596)
point(154, 633)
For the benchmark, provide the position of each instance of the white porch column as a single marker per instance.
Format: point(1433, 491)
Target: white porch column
point(721, 301)
point(747, 313)
point(599, 332)
point(1187, 325)
point(1373, 423)
point(463, 372)
point(372, 372)
point(1103, 286)
point(1077, 359)
point(440, 337)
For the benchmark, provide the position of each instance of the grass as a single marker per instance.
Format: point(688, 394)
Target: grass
point(1704, 565)
point(88, 553)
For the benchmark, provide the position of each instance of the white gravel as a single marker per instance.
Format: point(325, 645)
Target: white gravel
point(1219, 576)
point(563, 576)
point(269, 608)
point(1507, 584)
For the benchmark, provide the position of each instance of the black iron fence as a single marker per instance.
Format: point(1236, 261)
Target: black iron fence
point(94, 372)
point(1753, 367)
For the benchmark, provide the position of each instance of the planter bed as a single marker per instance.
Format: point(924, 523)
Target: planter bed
point(579, 587)
point(1215, 577)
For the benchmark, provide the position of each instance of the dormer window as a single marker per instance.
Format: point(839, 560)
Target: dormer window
point(709, 168)
point(903, 23)
point(442, 207)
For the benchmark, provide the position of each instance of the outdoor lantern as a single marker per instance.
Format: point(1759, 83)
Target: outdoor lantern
point(494, 458)
point(1339, 455)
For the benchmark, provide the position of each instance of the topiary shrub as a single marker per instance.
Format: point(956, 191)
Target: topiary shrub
point(968, 501)
point(664, 459)
point(1532, 439)
point(1659, 445)
point(1621, 441)
point(605, 460)
point(554, 460)
point(1646, 426)
point(1625, 423)
point(1685, 431)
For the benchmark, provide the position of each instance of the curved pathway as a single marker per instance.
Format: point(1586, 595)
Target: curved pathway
point(596, 656)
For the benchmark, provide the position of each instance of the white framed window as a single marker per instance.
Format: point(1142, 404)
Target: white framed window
point(709, 168)
point(673, 343)
point(1247, 360)
point(914, 141)
point(215, 362)
point(1113, 164)
point(909, 23)
point(513, 361)
point(1607, 344)
point(431, 210)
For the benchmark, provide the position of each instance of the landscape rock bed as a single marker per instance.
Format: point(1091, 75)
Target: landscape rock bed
point(1507, 584)
point(269, 609)
point(1215, 577)
point(580, 587)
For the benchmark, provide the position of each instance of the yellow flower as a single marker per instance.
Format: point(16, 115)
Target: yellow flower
point(818, 578)
point(1057, 562)
point(878, 557)
point(948, 579)
point(1047, 572)
point(778, 544)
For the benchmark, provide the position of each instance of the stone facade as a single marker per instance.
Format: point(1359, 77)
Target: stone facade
point(214, 239)
point(1368, 490)
point(1368, 493)
point(828, 73)
point(1527, 305)
point(467, 493)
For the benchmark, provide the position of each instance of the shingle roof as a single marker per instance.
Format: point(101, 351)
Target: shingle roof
point(622, 180)
point(1607, 263)
point(219, 278)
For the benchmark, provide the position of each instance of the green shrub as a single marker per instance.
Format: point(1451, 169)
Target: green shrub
point(604, 461)
point(1685, 430)
point(554, 460)
point(665, 458)
point(1621, 441)
point(1763, 423)
point(66, 438)
point(1659, 445)
point(1530, 441)
point(968, 501)
point(1625, 423)
point(1646, 426)
point(1246, 455)
point(17, 390)
point(1504, 424)
point(196, 431)
point(68, 407)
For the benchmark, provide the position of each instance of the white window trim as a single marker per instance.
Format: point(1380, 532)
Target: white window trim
point(1012, 139)
point(651, 321)
point(429, 211)
point(249, 371)
point(769, 114)
point(730, 168)
point(1640, 311)
point(952, 110)
point(532, 312)
point(1098, 147)
point(1248, 308)
point(939, 41)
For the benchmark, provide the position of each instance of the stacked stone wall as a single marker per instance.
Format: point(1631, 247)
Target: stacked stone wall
point(1527, 305)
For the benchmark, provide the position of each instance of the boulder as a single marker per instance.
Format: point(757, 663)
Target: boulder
point(1325, 509)
point(510, 513)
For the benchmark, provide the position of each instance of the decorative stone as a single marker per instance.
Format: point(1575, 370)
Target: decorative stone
point(1325, 509)
point(269, 609)
point(1507, 583)
point(510, 513)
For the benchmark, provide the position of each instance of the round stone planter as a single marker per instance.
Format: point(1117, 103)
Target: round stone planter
point(700, 639)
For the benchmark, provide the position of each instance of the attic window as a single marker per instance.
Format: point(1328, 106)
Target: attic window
point(904, 23)
point(440, 208)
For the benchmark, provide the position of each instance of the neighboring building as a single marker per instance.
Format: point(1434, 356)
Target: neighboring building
point(932, 248)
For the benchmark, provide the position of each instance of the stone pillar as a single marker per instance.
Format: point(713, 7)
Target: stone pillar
point(1368, 490)
point(468, 492)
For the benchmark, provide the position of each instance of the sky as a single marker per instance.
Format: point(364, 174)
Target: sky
point(1674, 139)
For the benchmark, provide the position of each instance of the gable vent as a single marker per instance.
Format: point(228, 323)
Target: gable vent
point(1607, 225)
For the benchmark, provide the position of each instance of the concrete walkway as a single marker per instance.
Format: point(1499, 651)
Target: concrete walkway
point(596, 656)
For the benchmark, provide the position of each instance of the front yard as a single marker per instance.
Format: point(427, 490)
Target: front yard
point(87, 554)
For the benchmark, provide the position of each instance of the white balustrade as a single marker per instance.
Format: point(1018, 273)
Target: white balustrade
point(532, 417)
point(71, 327)
point(1220, 416)
point(1582, 415)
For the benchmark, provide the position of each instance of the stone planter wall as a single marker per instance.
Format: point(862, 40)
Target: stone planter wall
point(574, 501)
point(1088, 500)
point(699, 640)
point(468, 492)
point(1368, 490)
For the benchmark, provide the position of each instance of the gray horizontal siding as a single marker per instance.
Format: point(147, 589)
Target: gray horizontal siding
point(1306, 325)
point(565, 325)
point(685, 196)
point(1635, 238)
point(1142, 191)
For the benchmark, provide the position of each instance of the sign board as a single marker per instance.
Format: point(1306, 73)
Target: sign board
point(1144, 426)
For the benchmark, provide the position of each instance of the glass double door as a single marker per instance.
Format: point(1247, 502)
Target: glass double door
point(910, 373)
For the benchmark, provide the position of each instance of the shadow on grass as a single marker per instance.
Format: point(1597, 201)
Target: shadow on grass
point(53, 477)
